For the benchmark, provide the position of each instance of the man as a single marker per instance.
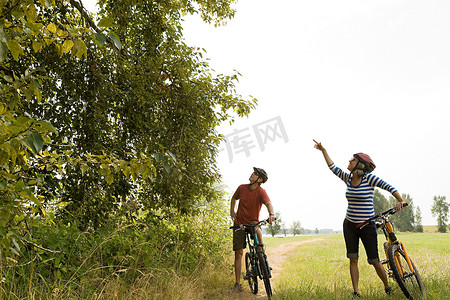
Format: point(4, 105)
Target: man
point(251, 198)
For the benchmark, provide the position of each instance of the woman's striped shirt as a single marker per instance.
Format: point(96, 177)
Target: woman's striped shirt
point(360, 197)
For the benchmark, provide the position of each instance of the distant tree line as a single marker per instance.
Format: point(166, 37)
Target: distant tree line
point(410, 218)
point(279, 227)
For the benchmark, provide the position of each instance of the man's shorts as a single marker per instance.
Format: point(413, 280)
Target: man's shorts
point(368, 236)
point(238, 240)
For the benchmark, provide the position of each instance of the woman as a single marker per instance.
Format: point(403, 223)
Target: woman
point(359, 194)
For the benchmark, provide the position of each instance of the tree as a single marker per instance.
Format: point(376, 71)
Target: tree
point(403, 220)
point(440, 210)
point(296, 228)
point(275, 228)
point(284, 230)
point(98, 115)
point(418, 227)
point(380, 203)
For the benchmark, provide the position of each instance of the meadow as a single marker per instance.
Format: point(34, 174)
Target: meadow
point(319, 270)
point(304, 267)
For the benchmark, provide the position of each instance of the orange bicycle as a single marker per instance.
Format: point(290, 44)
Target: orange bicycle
point(398, 263)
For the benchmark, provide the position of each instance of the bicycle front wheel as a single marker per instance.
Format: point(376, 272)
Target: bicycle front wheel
point(251, 276)
point(409, 280)
point(265, 272)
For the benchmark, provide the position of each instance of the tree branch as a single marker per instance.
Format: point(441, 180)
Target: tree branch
point(84, 14)
point(42, 248)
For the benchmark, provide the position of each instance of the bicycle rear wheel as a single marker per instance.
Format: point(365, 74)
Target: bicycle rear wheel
point(409, 280)
point(265, 272)
point(250, 274)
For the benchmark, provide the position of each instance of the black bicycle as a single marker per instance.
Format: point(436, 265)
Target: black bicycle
point(256, 264)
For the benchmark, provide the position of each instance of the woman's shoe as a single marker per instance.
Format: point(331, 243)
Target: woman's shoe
point(356, 295)
point(388, 290)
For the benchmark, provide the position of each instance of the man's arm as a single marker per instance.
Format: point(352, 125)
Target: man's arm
point(232, 212)
point(271, 212)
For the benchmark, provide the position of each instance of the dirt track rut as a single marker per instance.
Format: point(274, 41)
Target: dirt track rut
point(277, 256)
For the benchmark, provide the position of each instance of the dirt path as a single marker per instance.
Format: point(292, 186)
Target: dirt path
point(277, 257)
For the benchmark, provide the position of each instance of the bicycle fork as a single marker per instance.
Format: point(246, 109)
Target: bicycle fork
point(397, 256)
point(260, 249)
point(388, 231)
point(405, 273)
point(254, 266)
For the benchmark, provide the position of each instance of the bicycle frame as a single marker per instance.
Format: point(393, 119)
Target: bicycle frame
point(251, 235)
point(391, 238)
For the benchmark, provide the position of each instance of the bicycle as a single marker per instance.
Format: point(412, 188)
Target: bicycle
point(256, 264)
point(398, 263)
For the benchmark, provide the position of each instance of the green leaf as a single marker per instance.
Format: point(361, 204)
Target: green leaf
point(100, 39)
point(109, 179)
point(84, 168)
point(3, 52)
point(172, 156)
point(3, 36)
point(127, 171)
point(116, 40)
point(106, 22)
point(2, 231)
point(51, 27)
point(35, 142)
point(47, 125)
point(36, 27)
point(8, 78)
point(15, 244)
point(19, 185)
point(158, 157)
point(22, 120)
point(15, 48)
point(31, 13)
point(67, 46)
point(79, 48)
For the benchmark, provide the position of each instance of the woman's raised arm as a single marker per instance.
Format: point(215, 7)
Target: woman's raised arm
point(319, 147)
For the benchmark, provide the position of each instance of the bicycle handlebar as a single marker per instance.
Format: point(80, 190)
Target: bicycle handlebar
point(390, 211)
point(260, 223)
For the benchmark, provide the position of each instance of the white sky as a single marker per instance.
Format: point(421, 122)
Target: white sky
point(359, 76)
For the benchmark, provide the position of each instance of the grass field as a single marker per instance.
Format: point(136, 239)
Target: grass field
point(320, 270)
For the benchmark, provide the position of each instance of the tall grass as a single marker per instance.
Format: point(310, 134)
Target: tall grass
point(176, 257)
point(321, 271)
point(316, 270)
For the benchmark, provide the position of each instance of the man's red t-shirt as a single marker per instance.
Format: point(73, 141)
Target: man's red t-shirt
point(250, 202)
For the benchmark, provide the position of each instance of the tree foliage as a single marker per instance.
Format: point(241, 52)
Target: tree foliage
point(418, 227)
point(380, 202)
point(440, 210)
point(404, 220)
point(408, 219)
point(103, 120)
point(275, 228)
point(296, 228)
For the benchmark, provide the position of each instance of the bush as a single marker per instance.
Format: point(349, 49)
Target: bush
point(121, 252)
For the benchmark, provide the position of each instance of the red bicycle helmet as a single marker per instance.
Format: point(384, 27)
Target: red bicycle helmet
point(366, 160)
